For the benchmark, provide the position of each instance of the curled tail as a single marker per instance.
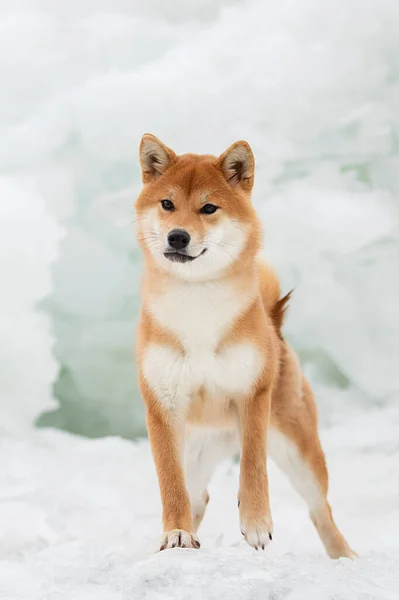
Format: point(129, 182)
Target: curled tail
point(277, 313)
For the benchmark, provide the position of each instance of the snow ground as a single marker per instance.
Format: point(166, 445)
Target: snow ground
point(80, 521)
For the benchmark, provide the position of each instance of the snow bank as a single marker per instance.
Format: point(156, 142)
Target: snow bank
point(313, 85)
point(80, 519)
point(29, 238)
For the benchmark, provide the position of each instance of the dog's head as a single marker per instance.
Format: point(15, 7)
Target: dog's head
point(194, 214)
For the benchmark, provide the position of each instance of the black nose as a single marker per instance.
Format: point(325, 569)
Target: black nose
point(178, 239)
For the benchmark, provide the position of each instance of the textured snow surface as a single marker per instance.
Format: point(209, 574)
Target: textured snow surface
point(79, 520)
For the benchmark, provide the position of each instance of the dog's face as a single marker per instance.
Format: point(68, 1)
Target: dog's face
point(194, 214)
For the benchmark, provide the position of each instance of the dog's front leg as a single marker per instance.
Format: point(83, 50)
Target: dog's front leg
point(166, 435)
point(255, 517)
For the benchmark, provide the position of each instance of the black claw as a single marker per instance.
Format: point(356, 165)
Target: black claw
point(242, 533)
point(179, 542)
point(270, 537)
point(196, 544)
point(238, 504)
point(174, 545)
point(263, 546)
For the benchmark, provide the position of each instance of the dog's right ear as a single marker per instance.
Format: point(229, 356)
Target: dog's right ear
point(155, 157)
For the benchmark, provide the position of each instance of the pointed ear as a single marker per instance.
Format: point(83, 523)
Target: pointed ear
point(237, 164)
point(155, 157)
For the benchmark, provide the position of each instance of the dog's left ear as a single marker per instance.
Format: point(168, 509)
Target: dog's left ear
point(237, 164)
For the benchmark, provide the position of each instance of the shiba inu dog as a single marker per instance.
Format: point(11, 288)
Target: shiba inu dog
point(215, 372)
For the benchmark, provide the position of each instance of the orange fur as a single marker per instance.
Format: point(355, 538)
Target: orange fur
point(210, 347)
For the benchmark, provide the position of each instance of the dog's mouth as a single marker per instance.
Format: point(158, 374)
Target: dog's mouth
point(181, 257)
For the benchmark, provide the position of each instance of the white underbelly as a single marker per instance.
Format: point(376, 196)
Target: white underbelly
point(176, 378)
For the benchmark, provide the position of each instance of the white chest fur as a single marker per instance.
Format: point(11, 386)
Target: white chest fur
point(199, 314)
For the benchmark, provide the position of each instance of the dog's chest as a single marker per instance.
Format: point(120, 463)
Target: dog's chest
point(199, 316)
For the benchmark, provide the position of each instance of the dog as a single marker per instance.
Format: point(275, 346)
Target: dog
point(215, 372)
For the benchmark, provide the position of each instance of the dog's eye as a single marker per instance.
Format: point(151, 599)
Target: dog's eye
point(167, 205)
point(208, 209)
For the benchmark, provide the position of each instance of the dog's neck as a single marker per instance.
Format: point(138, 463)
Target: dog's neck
point(243, 276)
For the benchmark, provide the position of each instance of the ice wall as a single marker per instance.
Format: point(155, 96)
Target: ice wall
point(313, 85)
point(29, 239)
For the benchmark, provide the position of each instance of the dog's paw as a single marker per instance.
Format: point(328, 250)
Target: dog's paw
point(178, 538)
point(257, 531)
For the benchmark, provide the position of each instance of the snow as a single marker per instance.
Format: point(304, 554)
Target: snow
point(80, 519)
point(313, 86)
point(29, 240)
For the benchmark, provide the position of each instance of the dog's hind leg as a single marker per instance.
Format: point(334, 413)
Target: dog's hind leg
point(293, 443)
point(204, 450)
